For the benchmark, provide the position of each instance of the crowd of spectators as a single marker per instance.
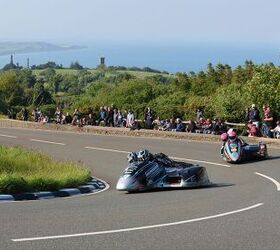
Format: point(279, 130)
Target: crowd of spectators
point(110, 116)
point(267, 127)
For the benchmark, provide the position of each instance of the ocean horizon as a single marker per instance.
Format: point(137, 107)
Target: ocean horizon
point(170, 58)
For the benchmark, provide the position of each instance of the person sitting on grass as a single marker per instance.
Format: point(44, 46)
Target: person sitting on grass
point(180, 127)
point(207, 127)
point(76, 117)
point(252, 129)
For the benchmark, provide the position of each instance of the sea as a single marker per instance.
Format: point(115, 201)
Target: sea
point(171, 58)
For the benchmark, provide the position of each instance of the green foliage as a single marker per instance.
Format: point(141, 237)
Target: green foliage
point(170, 105)
point(27, 171)
point(193, 102)
point(3, 105)
point(25, 78)
point(181, 83)
point(48, 109)
point(264, 87)
point(221, 91)
point(229, 103)
point(10, 90)
point(41, 96)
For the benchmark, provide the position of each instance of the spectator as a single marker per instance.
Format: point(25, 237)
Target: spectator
point(36, 113)
point(191, 126)
point(135, 125)
point(252, 129)
point(157, 123)
point(180, 127)
point(24, 113)
point(83, 122)
point(115, 117)
point(168, 125)
point(269, 122)
point(44, 118)
point(90, 121)
point(254, 115)
point(199, 114)
point(130, 119)
point(216, 127)
point(58, 115)
point(11, 113)
point(124, 115)
point(41, 116)
point(276, 130)
point(66, 118)
point(149, 118)
point(102, 116)
point(76, 117)
point(207, 126)
point(110, 117)
point(173, 124)
point(119, 119)
point(200, 125)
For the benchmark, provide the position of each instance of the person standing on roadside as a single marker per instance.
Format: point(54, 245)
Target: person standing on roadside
point(268, 121)
point(149, 118)
point(24, 113)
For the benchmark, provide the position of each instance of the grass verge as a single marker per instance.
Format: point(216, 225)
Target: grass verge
point(23, 170)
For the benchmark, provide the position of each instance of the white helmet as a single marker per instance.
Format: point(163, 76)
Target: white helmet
point(131, 157)
point(143, 155)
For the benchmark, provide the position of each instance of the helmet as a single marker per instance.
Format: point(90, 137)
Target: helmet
point(143, 155)
point(224, 136)
point(131, 157)
point(232, 135)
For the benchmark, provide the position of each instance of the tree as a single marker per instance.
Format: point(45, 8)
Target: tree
point(48, 74)
point(229, 103)
point(181, 82)
point(25, 78)
point(264, 87)
point(76, 65)
point(10, 90)
point(41, 96)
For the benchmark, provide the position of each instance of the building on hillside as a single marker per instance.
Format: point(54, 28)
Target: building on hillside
point(102, 60)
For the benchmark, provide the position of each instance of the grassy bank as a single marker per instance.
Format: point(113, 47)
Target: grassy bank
point(29, 171)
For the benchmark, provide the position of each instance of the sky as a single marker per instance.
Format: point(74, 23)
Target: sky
point(141, 21)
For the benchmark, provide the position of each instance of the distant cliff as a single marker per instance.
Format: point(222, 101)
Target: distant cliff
point(7, 48)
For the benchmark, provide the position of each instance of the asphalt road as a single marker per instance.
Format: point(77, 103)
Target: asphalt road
point(241, 213)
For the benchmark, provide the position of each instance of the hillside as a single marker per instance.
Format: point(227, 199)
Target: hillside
point(7, 48)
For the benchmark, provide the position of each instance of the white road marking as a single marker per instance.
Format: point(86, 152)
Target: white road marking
point(49, 142)
point(8, 136)
point(108, 150)
point(206, 162)
point(271, 179)
point(175, 158)
point(138, 228)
